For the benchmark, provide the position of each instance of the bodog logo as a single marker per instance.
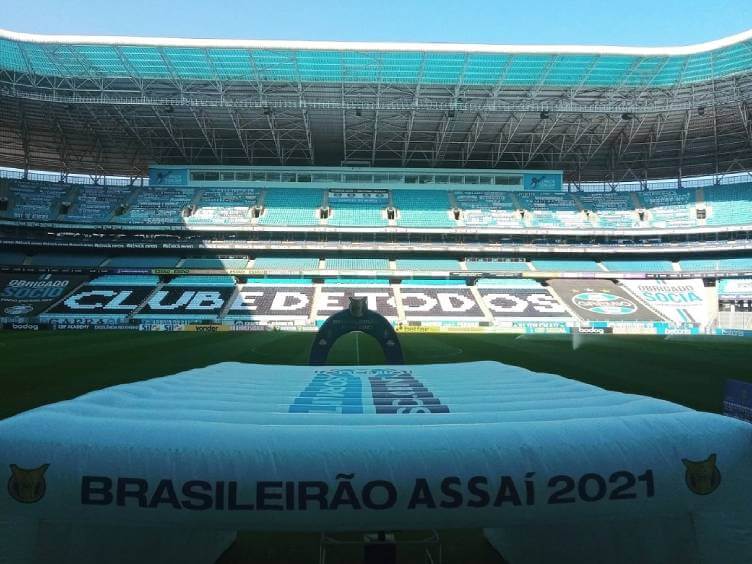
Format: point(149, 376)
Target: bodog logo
point(27, 485)
point(702, 477)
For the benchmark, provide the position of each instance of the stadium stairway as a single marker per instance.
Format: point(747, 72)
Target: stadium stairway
point(314, 300)
point(132, 197)
point(228, 304)
point(481, 303)
point(69, 292)
point(70, 196)
point(398, 304)
point(157, 288)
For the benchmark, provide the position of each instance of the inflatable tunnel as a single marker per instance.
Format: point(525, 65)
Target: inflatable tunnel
point(553, 469)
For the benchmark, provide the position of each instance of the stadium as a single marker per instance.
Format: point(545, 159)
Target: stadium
point(169, 204)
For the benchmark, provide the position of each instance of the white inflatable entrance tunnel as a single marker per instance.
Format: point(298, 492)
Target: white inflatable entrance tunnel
point(555, 470)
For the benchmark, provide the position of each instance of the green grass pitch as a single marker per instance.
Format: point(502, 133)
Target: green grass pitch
point(40, 368)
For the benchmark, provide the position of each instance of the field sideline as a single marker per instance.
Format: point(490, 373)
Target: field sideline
point(39, 368)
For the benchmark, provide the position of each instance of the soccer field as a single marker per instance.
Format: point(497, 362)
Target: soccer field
point(39, 368)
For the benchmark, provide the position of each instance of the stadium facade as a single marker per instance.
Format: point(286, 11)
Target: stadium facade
point(456, 187)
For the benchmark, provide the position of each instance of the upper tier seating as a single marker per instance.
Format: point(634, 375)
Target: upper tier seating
point(291, 206)
point(553, 211)
point(615, 210)
point(638, 265)
point(670, 208)
point(214, 263)
point(223, 206)
point(349, 263)
point(729, 204)
point(37, 201)
point(715, 264)
point(96, 204)
point(489, 265)
point(427, 264)
point(56, 259)
point(566, 265)
point(488, 209)
point(143, 262)
point(158, 205)
point(286, 263)
point(422, 208)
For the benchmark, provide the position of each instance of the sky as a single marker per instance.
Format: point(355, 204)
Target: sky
point(592, 22)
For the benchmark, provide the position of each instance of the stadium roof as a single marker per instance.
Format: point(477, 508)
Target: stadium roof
point(110, 105)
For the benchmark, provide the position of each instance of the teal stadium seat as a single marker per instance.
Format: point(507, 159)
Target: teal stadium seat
point(356, 281)
point(427, 264)
point(553, 210)
point(729, 204)
point(670, 208)
point(422, 208)
point(96, 204)
point(202, 281)
point(286, 263)
point(508, 283)
point(433, 282)
point(52, 259)
point(358, 208)
point(638, 265)
point(156, 206)
point(488, 209)
point(143, 262)
point(125, 280)
point(214, 263)
point(715, 264)
point(223, 206)
point(36, 201)
point(279, 281)
point(566, 265)
point(11, 258)
point(291, 206)
point(489, 265)
point(349, 263)
point(615, 210)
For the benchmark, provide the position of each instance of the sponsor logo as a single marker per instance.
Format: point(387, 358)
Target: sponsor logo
point(24, 327)
point(590, 330)
point(207, 328)
point(21, 309)
point(678, 331)
point(248, 326)
point(702, 477)
point(604, 303)
point(27, 485)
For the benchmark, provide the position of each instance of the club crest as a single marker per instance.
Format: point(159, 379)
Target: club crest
point(702, 477)
point(27, 485)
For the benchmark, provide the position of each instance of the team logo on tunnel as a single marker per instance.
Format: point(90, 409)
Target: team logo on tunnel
point(27, 485)
point(702, 477)
point(604, 303)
